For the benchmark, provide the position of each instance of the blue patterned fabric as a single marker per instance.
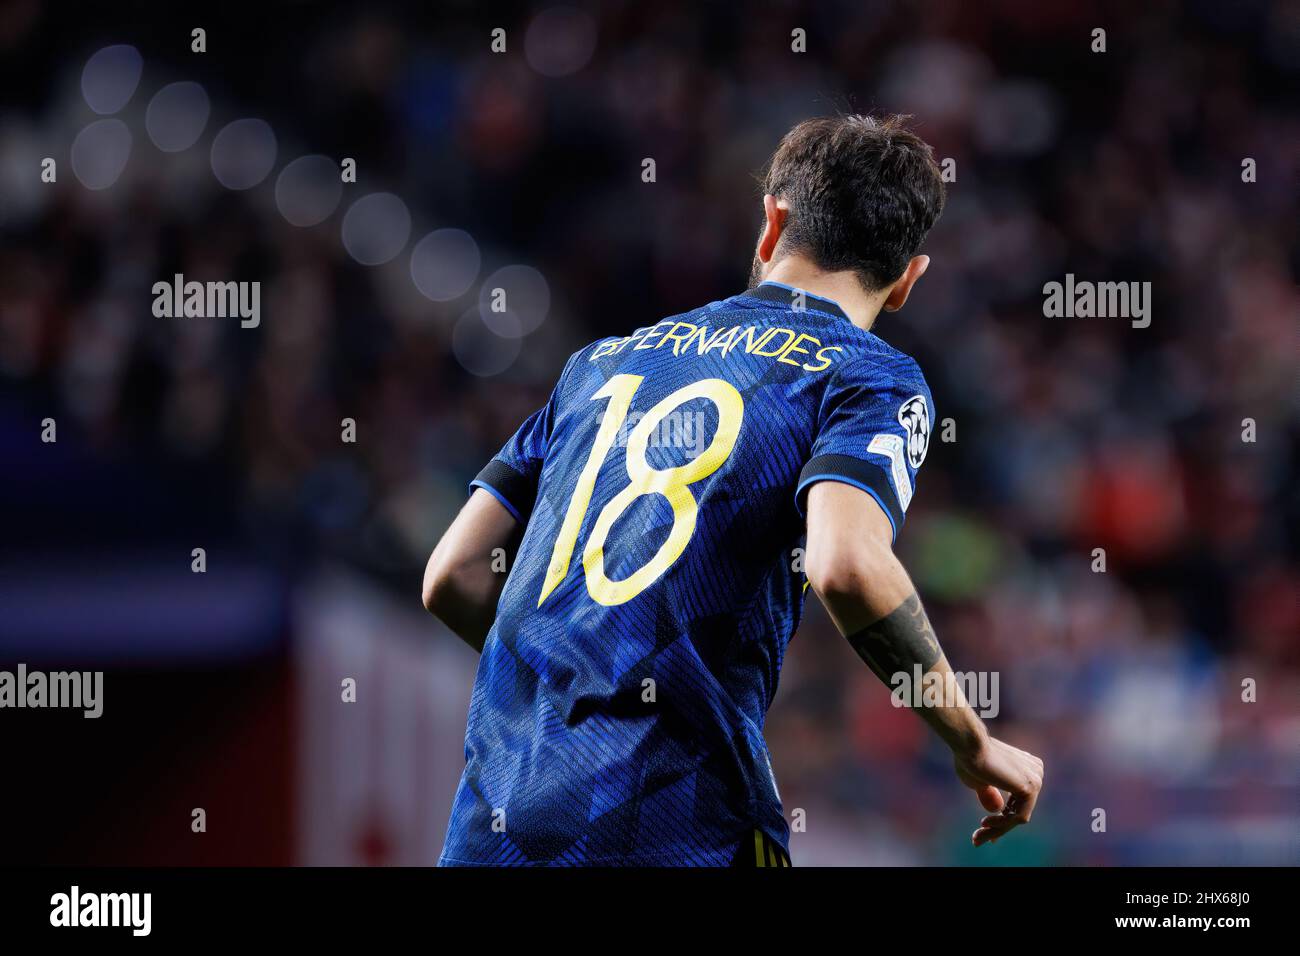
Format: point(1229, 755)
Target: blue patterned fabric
point(617, 715)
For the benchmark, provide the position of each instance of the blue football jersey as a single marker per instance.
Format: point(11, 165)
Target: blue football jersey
point(617, 714)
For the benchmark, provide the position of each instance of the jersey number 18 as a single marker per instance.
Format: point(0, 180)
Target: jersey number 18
point(644, 479)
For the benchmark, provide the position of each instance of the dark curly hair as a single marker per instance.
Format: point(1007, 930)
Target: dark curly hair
point(862, 193)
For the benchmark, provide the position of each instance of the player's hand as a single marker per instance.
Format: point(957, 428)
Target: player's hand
point(995, 768)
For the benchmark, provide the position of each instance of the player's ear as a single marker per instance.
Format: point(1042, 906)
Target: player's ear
point(898, 292)
point(774, 224)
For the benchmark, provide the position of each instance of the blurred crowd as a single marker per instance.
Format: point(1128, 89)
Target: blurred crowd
point(1123, 667)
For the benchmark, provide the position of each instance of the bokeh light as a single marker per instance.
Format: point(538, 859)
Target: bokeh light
point(525, 294)
point(445, 263)
point(100, 152)
point(177, 116)
point(109, 79)
point(243, 153)
point(308, 190)
point(375, 228)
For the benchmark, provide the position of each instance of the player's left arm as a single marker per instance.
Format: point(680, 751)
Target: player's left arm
point(460, 586)
point(852, 567)
point(874, 431)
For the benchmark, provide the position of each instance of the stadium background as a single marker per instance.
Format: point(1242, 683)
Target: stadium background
point(222, 689)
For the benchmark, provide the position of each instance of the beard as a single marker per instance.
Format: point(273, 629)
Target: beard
point(756, 271)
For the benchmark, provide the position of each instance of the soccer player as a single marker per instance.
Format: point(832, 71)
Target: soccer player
point(655, 510)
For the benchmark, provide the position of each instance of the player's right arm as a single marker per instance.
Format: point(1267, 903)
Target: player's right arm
point(461, 586)
point(463, 580)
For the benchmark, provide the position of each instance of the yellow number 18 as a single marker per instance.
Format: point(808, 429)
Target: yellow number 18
point(673, 483)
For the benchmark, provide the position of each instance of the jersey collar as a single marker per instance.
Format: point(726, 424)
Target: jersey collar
point(784, 294)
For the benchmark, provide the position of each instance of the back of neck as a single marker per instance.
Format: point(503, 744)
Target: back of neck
point(842, 288)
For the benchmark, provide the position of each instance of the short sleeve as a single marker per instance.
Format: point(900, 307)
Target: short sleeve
point(873, 432)
point(514, 472)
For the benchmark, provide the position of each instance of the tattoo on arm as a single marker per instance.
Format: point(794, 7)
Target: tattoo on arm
point(898, 641)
